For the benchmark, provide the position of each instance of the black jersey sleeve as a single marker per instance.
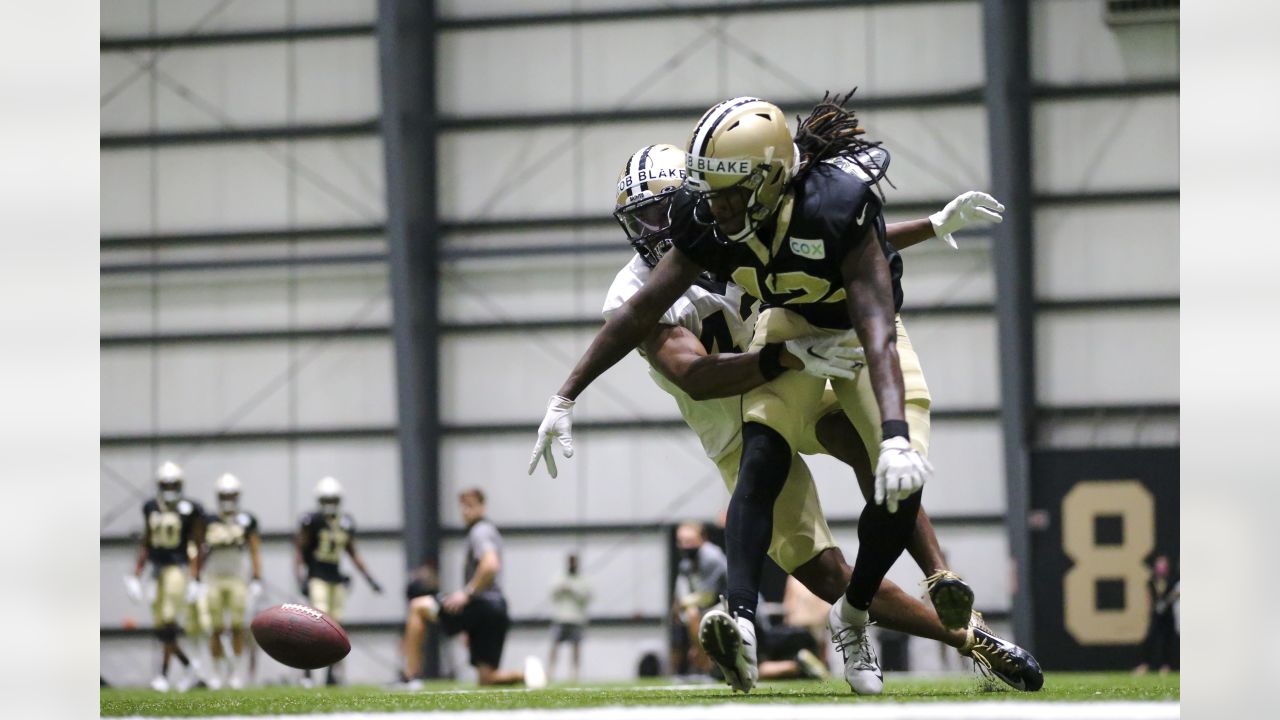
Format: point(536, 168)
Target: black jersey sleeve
point(851, 212)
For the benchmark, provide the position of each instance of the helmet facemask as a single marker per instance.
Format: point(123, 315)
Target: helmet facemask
point(330, 505)
point(228, 503)
point(170, 491)
point(647, 223)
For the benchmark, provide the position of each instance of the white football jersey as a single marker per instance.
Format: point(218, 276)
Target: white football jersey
point(723, 317)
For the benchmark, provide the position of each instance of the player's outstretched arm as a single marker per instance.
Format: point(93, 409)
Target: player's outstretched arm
point(900, 471)
point(622, 332)
point(680, 356)
point(629, 325)
point(965, 210)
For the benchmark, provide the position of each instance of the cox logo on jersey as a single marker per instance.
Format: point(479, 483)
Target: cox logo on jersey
point(720, 166)
point(808, 249)
point(643, 176)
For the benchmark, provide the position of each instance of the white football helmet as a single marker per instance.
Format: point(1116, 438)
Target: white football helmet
point(228, 488)
point(169, 483)
point(329, 495)
point(643, 204)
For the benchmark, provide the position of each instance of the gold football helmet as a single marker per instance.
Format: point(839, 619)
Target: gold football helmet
point(643, 204)
point(741, 148)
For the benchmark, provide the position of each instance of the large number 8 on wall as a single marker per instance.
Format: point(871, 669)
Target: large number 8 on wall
point(1093, 562)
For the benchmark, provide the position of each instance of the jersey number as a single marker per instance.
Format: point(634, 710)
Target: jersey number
point(224, 534)
point(715, 336)
point(329, 545)
point(166, 530)
point(1096, 565)
point(812, 289)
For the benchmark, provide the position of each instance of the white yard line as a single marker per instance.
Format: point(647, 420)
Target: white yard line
point(1010, 710)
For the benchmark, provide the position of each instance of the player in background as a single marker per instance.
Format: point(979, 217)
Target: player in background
point(479, 608)
point(231, 533)
point(170, 522)
point(701, 577)
point(704, 329)
point(570, 597)
point(324, 536)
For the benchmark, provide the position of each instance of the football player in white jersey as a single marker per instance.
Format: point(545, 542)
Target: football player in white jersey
point(696, 355)
point(231, 534)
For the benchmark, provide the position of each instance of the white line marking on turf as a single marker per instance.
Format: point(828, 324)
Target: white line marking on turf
point(1008, 710)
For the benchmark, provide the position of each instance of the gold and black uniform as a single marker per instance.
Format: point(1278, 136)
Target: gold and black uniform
point(327, 540)
point(169, 533)
point(792, 263)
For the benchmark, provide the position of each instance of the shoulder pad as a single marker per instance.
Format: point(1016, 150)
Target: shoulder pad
point(185, 507)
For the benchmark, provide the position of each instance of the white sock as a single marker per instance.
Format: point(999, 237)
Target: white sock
point(851, 614)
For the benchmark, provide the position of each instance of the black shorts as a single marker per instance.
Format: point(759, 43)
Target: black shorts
point(566, 632)
point(485, 621)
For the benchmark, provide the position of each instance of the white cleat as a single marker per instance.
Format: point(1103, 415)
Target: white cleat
point(188, 677)
point(861, 666)
point(535, 677)
point(730, 642)
point(214, 682)
point(236, 682)
point(160, 684)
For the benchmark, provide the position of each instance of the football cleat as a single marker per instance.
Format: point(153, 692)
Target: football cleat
point(160, 684)
point(861, 666)
point(951, 597)
point(812, 666)
point(535, 676)
point(994, 656)
point(730, 642)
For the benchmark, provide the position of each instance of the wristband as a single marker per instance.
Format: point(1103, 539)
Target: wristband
point(894, 428)
point(771, 361)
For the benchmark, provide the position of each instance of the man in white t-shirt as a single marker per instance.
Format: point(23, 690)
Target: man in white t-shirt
point(569, 599)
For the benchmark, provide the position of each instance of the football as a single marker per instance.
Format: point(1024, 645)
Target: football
point(300, 636)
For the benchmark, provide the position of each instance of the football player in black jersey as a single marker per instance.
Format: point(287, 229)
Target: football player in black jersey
point(323, 538)
point(231, 534)
point(697, 348)
point(781, 219)
point(170, 523)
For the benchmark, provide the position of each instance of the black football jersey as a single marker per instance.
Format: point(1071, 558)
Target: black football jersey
point(328, 539)
point(799, 268)
point(170, 530)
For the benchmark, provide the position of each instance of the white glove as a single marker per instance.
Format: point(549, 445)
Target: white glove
point(900, 472)
point(133, 588)
point(195, 590)
point(825, 356)
point(255, 591)
point(965, 210)
point(558, 424)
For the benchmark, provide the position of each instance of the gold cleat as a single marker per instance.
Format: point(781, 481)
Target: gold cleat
point(952, 598)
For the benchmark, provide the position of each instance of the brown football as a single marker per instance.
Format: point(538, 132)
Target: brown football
point(300, 636)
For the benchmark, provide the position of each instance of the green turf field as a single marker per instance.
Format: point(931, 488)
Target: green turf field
point(445, 696)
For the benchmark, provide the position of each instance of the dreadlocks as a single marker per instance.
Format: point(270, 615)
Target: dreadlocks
point(830, 131)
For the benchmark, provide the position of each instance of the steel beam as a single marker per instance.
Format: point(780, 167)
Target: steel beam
point(234, 37)
point(1006, 25)
point(407, 61)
